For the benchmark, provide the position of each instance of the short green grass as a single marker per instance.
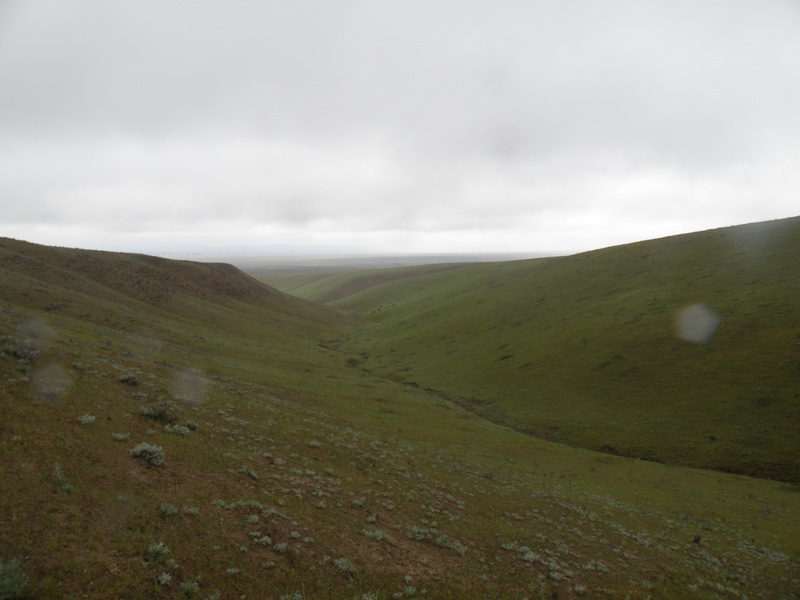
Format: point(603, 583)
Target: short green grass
point(582, 349)
point(296, 454)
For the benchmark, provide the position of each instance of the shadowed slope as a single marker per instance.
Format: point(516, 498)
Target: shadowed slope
point(47, 277)
point(143, 277)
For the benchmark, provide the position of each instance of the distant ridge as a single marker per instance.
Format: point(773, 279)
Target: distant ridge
point(146, 278)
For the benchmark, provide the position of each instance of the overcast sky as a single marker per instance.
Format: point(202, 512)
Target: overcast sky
point(394, 126)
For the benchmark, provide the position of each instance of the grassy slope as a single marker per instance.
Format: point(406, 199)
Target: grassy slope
point(581, 349)
point(293, 445)
point(330, 287)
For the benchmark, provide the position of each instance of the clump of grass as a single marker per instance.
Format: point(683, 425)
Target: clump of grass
point(120, 437)
point(168, 510)
point(13, 580)
point(150, 453)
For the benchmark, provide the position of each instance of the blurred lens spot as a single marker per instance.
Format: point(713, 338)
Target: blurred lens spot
point(35, 334)
point(696, 323)
point(50, 382)
point(189, 385)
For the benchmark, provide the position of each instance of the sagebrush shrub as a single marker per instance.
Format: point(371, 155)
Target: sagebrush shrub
point(164, 412)
point(130, 379)
point(60, 480)
point(177, 429)
point(374, 534)
point(281, 548)
point(168, 510)
point(344, 565)
point(149, 453)
point(157, 550)
point(13, 580)
point(190, 588)
point(418, 533)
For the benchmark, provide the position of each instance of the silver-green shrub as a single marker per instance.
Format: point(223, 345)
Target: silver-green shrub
point(158, 550)
point(165, 412)
point(344, 565)
point(13, 580)
point(190, 588)
point(418, 533)
point(177, 429)
point(374, 534)
point(149, 453)
point(168, 510)
point(60, 480)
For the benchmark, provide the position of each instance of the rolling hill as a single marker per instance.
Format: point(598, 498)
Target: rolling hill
point(583, 349)
point(173, 429)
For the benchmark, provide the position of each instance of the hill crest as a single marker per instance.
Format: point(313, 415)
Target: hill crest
point(146, 278)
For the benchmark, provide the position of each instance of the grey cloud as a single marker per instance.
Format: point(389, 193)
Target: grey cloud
point(429, 116)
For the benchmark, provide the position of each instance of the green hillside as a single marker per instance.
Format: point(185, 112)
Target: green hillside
point(171, 429)
point(325, 287)
point(583, 349)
